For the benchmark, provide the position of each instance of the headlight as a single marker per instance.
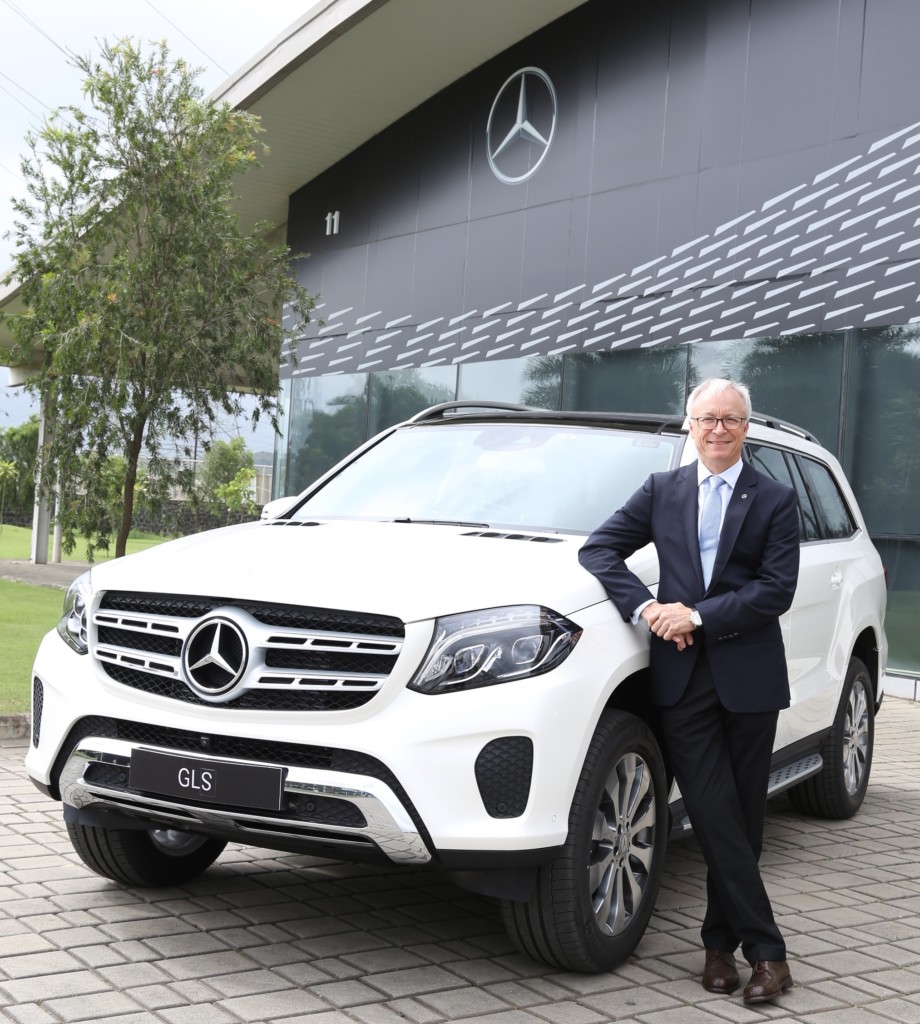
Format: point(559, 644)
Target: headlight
point(72, 626)
point(494, 645)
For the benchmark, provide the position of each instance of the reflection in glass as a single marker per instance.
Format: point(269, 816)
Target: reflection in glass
point(792, 378)
point(326, 419)
point(534, 380)
point(503, 475)
point(395, 395)
point(638, 380)
point(901, 558)
point(882, 454)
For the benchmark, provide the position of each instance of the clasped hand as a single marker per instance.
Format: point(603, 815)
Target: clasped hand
point(670, 622)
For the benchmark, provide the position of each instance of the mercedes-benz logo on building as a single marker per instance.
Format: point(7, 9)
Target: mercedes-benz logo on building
point(215, 656)
point(521, 125)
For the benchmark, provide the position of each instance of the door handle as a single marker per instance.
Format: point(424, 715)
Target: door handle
point(836, 578)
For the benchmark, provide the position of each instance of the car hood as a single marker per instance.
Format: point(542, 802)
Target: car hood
point(410, 570)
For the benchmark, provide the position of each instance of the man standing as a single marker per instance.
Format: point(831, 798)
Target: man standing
point(727, 539)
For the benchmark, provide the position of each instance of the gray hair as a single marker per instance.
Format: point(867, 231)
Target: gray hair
point(718, 385)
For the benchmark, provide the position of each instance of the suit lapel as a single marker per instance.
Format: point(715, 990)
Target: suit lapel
point(689, 513)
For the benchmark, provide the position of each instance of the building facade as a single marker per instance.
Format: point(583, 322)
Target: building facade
point(627, 202)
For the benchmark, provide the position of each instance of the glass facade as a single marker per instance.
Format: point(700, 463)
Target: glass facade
point(855, 391)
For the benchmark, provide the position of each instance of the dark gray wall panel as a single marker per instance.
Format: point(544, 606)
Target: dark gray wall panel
point(719, 168)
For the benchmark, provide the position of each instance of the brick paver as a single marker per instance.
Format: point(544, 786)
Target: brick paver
point(267, 938)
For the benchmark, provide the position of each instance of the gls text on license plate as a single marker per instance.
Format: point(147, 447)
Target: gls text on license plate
point(213, 782)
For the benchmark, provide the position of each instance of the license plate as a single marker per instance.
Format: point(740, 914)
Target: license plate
point(214, 782)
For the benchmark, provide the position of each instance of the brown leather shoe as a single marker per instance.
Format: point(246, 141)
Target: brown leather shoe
point(769, 978)
point(720, 974)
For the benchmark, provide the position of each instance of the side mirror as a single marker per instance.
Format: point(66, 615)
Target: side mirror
point(273, 509)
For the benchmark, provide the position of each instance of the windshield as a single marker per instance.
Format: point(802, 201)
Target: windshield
point(527, 476)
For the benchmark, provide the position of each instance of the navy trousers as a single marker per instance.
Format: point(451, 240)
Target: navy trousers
point(721, 761)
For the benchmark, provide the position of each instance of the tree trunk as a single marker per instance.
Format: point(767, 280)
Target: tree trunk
point(132, 457)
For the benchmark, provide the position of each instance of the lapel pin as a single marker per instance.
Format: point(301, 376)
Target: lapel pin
point(743, 496)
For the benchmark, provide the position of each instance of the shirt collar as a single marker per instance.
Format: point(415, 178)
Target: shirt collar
point(730, 475)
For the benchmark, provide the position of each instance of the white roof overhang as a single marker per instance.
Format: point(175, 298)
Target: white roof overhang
point(341, 74)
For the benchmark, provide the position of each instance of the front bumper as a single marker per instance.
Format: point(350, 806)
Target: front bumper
point(401, 777)
point(96, 774)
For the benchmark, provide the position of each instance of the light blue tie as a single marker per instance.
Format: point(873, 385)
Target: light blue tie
point(710, 522)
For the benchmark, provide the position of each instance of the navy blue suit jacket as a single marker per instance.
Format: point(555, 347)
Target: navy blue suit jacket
point(753, 582)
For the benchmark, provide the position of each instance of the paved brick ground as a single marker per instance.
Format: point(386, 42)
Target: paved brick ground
point(288, 940)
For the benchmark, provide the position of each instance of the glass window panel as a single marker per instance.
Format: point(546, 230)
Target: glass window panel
point(395, 395)
point(794, 378)
point(810, 523)
point(838, 523)
point(518, 475)
point(326, 419)
point(638, 380)
point(882, 453)
point(772, 462)
point(534, 380)
point(280, 461)
point(902, 562)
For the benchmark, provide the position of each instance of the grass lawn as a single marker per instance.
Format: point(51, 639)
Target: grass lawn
point(27, 613)
point(15, 543)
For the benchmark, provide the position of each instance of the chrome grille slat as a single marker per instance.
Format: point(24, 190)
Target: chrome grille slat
point(297, 659)
point(356, 681)
point(156, 664)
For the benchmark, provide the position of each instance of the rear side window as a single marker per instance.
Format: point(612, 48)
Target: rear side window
point(823, 511)
point(775, 463)
point(837, 519)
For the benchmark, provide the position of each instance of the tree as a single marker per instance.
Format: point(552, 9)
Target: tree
point(8, 476)
point(222, 462)
point(19, 445)
point(145, 299)
point(236, 494)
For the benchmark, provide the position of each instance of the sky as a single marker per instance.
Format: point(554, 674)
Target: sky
point(219, 36)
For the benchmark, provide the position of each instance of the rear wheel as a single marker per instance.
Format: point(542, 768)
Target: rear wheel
point(591, 905)
point(837, 791)
point(154, 857)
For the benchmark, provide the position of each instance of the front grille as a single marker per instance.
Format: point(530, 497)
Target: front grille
point(299, 658)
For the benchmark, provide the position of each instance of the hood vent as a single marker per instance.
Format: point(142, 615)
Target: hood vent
point(537, 538)
point(290, 522)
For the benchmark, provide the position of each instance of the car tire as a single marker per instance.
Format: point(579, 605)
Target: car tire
point(837, 791)
point(591, 904)
point(154, 857)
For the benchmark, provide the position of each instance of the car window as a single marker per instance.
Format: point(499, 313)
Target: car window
point(810, 518)
point(522, 475)
point(837, 519)
point(773, 462)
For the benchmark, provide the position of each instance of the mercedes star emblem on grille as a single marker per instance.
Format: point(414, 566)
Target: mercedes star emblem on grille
point(215, 656)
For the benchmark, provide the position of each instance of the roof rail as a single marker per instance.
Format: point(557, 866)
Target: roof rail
point(438, 412)
point(784, 425)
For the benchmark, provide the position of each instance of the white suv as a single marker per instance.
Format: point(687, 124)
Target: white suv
point(408, 664)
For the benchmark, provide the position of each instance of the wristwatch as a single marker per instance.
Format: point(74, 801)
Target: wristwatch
point(695, 618)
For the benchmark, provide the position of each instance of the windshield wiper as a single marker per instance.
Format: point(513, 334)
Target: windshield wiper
point(440, 522)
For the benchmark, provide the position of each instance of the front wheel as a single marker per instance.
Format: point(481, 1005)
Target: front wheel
point(154, 857)
point(591, 905)
point(837, 791)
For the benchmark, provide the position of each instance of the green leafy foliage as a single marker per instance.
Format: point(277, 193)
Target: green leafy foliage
point(8, 475)
point(236, 494)
point(147, 304)
point(19, 446)
point(221, 464)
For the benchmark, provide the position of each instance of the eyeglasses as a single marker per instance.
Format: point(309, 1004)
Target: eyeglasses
point(709, 422)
